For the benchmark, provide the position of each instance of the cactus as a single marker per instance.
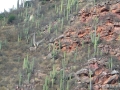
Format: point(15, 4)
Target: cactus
point(95, 40)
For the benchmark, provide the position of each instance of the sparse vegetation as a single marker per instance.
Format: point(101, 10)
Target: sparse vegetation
point(71, 33)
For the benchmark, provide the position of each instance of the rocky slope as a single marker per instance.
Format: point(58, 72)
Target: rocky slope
point(83, 55)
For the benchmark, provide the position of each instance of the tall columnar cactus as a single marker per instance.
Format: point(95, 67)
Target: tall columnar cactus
point(17, 4)
point(95, 40)
point(61, 6)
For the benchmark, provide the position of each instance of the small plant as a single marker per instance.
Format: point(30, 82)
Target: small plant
point(53, 75)
point(68, 86)
point(62, 23)
point(4, 21)
point(95, 40)
point(28, 67)
point(94, 2)
point(28, 77)
point(54, 54)
point(49, 28)
point(90, 74)
point(43, 2)
point(88, 51)
point(0, 45)
point(19, 38)
point(111, 63)
point(61, 7)
point(45, 86)
point(11, 18)
point(1, 16)
point(4, 44)
point(20, 79)
point(75, 55)
point(52, 6)
point(94, 36)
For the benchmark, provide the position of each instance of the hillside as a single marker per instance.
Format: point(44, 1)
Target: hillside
point(61, 45)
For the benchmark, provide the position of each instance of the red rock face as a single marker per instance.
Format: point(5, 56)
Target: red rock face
point(105, 21)
point(101, 77)
point(94, 66)
point(104, 17)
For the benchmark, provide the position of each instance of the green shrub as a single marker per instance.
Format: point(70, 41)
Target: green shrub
point(43, 2)
point(11, 18)
point(2, 16)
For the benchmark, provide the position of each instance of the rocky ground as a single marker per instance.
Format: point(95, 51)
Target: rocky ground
point(73, 53)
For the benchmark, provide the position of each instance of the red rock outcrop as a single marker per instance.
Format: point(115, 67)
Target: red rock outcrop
point(95, 71)
point(104, 18)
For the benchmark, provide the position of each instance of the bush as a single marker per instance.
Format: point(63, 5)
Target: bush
point(43, 2)
point(1, 17)
point(11, 18)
